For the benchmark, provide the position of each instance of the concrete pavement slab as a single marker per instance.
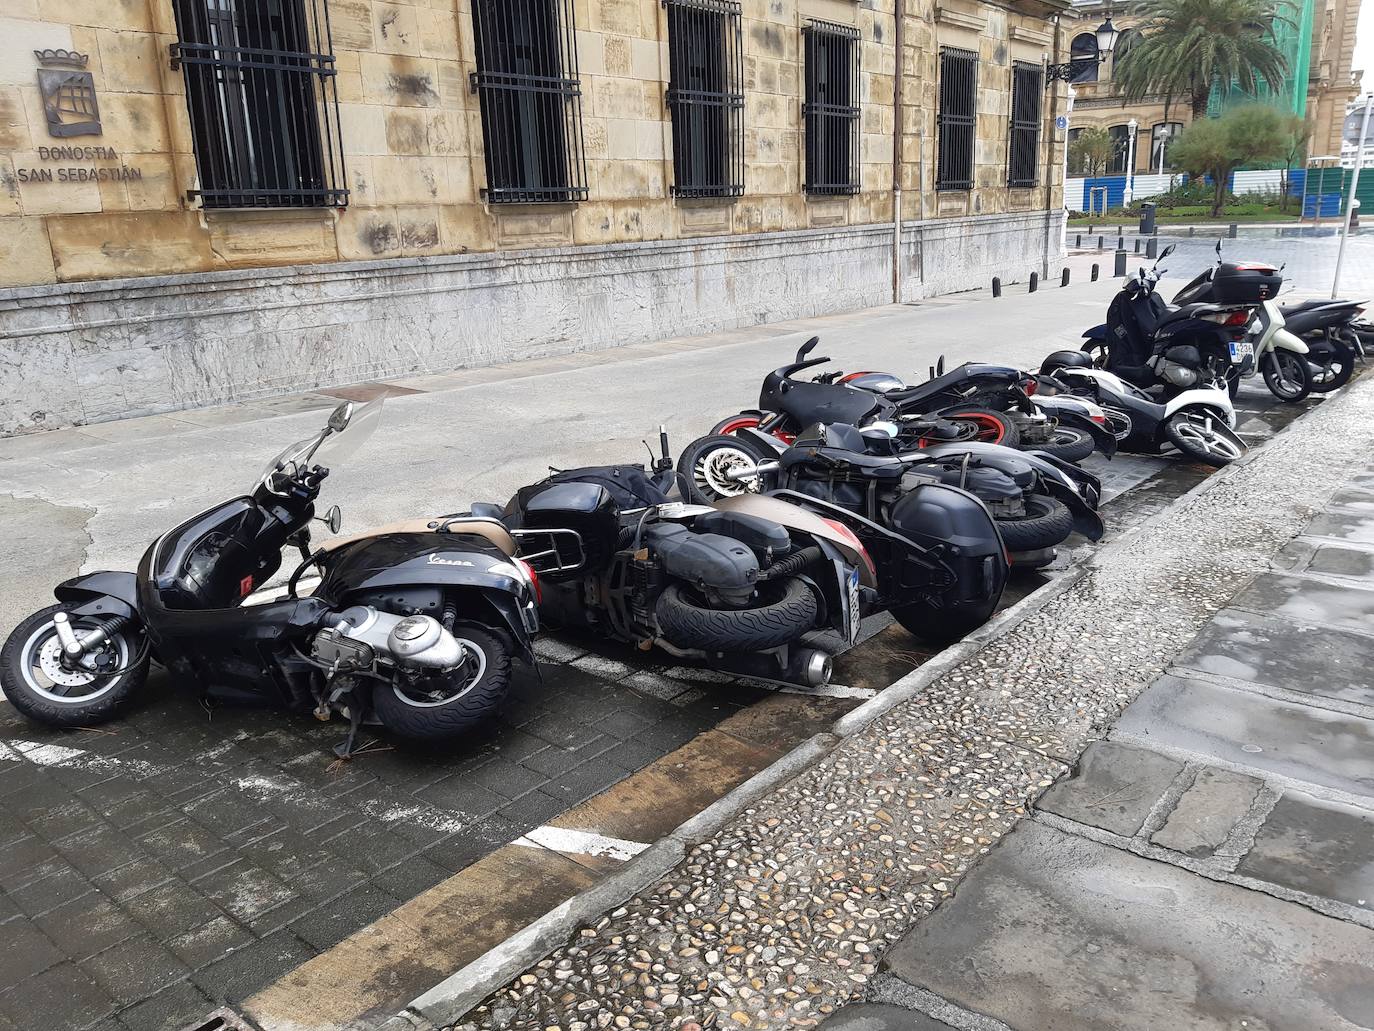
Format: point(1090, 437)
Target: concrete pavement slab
point(1057, 933)
point(1114, 787)
point(1309, 601)
point(882, 1017)
point(1278, 653)
point(1205, 814)
point(1336, 561)
point(1241, 727)
point(1357, 527)
point(1318, 847)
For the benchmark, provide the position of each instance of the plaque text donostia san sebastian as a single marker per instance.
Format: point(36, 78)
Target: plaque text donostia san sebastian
point(66, 173)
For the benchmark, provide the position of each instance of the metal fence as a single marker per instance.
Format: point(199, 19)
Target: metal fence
point(260, 92)
point(957, 119)
point(831, 108)
point(706, 97)
point(530, 97)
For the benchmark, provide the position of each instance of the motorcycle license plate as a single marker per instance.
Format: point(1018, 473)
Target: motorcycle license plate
point(854, 618)
point(1241, 350)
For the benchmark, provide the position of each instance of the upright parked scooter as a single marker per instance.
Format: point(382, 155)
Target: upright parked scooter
point(411, 626)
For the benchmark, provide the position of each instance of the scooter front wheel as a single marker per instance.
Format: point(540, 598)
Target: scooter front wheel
point(1287, 375)
point(446, 705)
point(1200, 436)
point(48, 690)
point(709, 469)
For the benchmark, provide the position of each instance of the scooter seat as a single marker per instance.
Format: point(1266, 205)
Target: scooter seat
point(490, 529)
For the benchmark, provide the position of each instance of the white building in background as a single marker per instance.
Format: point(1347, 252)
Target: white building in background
point(1350, 136)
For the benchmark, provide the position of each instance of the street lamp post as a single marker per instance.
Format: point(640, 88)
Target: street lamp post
point(1350, 207)
point(1128, 194)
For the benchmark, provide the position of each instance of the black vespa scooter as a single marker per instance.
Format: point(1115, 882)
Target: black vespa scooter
point(411, 626)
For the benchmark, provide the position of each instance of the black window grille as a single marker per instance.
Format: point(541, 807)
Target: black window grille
point(531, 100)
point(831, 109)
point(264, 109)
point(706, 97)
point(1027, 84)
point(958, 120)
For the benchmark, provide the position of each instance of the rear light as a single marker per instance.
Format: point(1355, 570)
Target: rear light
point(533, 578)
point(1101, 420)
point(854, 543)
point(855, 375)
point(1254, 266)
point(1030, 385)
point(1237, 318)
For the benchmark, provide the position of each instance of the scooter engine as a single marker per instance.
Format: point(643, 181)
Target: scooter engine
point(362, 635)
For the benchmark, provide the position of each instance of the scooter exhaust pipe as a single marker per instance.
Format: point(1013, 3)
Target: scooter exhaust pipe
point(811, 667)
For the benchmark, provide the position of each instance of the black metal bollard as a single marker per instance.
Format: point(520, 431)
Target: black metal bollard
point(1101, 243)
point(1121, 242)
point(1152, 247)
point(1231, 230)
point(996, 286)
point(1137, 245)
point(1094, 272)
point(1078, 240)
point(1034, 281)
point(1191, 230)
point(1120, 268)
point(1064, 278)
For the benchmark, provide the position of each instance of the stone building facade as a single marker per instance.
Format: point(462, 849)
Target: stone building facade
point(135, 277)
point(1326, 34)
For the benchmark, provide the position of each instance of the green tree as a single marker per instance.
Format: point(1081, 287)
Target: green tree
point(1218, 146)
point(1091, 151)
point(1186, 46)
point(1296, 132)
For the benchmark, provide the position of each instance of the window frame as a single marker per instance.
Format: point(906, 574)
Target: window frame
point(1083, 63)
point(705, 97)
point(964, 123)
point(529, 91)
point(1027, 87)
point(259, 74)
point(830, 118)
point(1122, 157)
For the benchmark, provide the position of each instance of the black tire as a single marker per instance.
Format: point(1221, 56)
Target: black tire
point(1233, 382)
point(1335, 364)
point(1047, 522)
point(701, 465)
point(1188, 431)
point(744, 419)
point(1297, 376)
point(406, 716)
point(687, 624)
point(991, 422)
point(1067, 444)
point(944, 624)
point(41, 703)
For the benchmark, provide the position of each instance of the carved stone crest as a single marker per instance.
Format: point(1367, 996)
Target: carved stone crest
point(68, 92)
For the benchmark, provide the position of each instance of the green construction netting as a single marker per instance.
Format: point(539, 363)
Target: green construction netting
point(1295, 40)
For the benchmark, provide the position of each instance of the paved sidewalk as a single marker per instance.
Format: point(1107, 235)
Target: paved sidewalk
point(1205, 866)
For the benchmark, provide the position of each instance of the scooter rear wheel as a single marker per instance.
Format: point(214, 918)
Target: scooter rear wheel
point(412, 712)
point(37, 683)
point(947, 623)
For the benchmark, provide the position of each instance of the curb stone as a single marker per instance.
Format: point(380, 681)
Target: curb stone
point(452, 998)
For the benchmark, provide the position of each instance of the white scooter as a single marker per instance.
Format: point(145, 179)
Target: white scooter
point(1199, 423)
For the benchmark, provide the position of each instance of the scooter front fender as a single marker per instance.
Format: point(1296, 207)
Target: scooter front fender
point(1217, 400)
point(1286, 341)
point(101, 594)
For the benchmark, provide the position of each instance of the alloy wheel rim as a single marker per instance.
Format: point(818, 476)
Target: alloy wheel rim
point(41, 656)
point(1208, 439)
point(470, 649)
point(711, 472)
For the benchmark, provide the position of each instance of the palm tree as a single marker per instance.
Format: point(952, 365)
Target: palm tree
point(1188, 45)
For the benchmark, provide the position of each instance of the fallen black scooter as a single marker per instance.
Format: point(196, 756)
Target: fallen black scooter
point(411, 626)
point(1036, 501)
point(974, 402)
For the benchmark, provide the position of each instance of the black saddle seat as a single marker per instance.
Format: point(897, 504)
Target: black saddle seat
point(809, 403)
point(930, 388)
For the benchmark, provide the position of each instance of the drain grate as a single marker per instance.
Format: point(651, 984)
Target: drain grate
point(223, 1019)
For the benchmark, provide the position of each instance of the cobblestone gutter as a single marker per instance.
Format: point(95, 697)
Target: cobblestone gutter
point(782, 916)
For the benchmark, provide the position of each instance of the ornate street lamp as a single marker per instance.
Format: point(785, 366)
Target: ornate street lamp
point(1106, 42)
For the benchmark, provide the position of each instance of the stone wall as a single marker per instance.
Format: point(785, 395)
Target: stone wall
point(412, 136)
point(94, 351)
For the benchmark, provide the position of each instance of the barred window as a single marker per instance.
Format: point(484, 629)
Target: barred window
point(706, 97)
point(264, 110)
point(831, 110)
point(531, 101)
point(958, 118)
point(1027, 84)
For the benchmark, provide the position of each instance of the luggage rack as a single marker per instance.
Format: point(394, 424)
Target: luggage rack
point(553, 551)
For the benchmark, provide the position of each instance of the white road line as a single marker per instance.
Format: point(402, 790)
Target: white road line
point(580, 843)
